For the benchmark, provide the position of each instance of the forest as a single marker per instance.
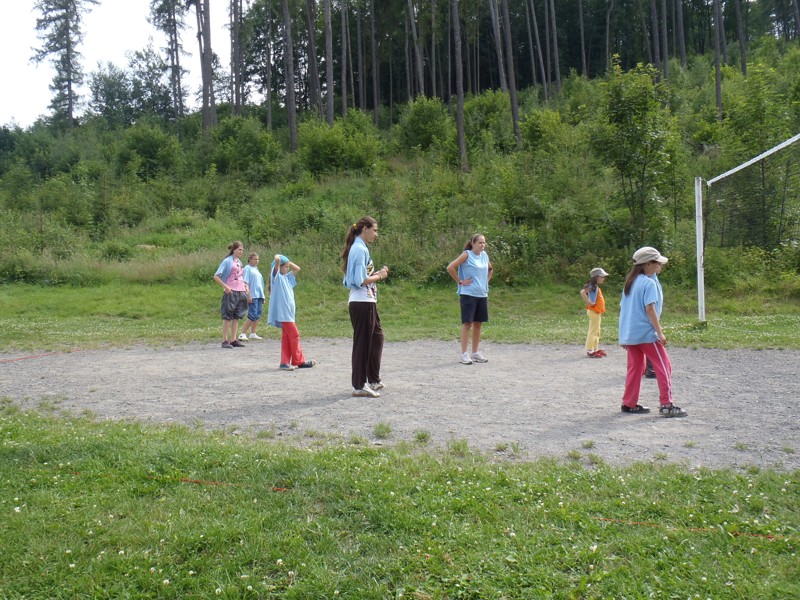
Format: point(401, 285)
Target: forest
point(568, 132)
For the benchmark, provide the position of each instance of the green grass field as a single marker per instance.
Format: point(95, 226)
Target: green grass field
point(121, 510)
point(125, 510)
point(47, 318)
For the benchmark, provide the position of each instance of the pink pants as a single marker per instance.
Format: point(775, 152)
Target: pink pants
point(637, 361)
point(291, 351)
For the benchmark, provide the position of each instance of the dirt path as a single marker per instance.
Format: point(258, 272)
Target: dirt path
point(542, 400)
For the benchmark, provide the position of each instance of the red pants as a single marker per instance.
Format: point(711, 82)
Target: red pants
point(291, 351)
point(637, 361)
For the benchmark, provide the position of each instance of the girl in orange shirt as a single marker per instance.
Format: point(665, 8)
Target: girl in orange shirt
point(595, 306)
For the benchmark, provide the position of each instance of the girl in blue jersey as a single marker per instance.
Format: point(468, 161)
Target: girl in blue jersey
point(641, 335)
point(281, 313)
point(255, 283)
point(361, 278)
point(472, 271)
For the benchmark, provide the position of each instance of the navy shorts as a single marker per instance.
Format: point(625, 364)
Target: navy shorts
point(255, 309)
point(234, 306)
point(474, 310)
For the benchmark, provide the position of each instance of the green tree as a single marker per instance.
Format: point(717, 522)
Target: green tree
point(59, 30)
point(110, 99)
point(632, 135)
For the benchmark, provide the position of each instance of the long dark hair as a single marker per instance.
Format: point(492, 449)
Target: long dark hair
point(354, 231)
point(234, 245)
point(635, 271)
point(591, 285)
point(469, 243)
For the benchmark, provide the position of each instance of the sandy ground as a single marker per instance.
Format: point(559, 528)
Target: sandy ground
point(538, 400)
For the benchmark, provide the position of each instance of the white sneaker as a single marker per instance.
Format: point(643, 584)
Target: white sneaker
point(465, 359)
point(243, 337)
point(366, 392)
point(376, 386)
point(255, 336)
point(478, 357)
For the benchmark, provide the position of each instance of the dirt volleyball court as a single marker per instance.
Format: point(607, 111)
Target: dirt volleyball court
point(543, 400)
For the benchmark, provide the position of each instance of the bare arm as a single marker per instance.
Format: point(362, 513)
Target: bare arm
point(452, 269)
point(225, 287)
point(653, 316)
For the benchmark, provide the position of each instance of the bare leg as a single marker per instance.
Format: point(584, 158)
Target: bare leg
point(476, 337)
point(465, 336)
point(234, 328)
point(225, 326)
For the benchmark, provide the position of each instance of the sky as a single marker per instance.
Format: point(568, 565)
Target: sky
point(110, 30)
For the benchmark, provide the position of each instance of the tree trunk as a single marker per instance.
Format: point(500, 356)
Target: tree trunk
point(350, 63)
point(609, 8)
point(268, 91)
point(462, 146)
point(556, 61)
point(237, 76)
point(664, 45)
point(512, 80)
point(742, 39)
point(433, 48)
point(717, 69)
point(654, 29)
point(646, 34)
point(408, 61)
point(681, 34)
point(417, 52)
point(498, 44)
point(314, 92)
point(531, 50)
point(343, 45)
point(796, 6)
point(375, 79)
point(291, 106)
point(584, 70)
point(329, 98)
point(362, 89)
point(209, 110)
point(539, 51)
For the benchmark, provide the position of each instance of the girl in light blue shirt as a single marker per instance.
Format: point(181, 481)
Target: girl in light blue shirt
point(281, 313)
point(472, 271)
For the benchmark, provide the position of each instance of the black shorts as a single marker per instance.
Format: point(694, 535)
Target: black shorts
point(474, 310)
point(234, 306)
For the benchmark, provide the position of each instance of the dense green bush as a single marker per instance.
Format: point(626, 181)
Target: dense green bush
point(242, 146)
point(424, 122)
point(351, 144)
point(487, 122)
point(147, 151)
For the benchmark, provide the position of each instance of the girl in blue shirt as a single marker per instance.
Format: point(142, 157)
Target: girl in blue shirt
point(361, 278)
point(472, 271)
point(281, 313)
point(641, 335)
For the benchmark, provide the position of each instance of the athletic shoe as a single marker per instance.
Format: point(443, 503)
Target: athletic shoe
point(601, 352)
point(284, 367)
point(307, 365)
point(243, 337)
point(670, 410)
point(650, 374)
point(376, 386)
point(255, 336)
point(635, 409)
point(226, 344)
point(237, 344)
point(465, 359)
point(366, 392)
point(594, 354)
point(478, 357)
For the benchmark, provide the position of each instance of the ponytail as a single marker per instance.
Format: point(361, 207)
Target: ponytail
point(635, 271)
point(354, 231)
point(234, 245)
point(469, 243)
